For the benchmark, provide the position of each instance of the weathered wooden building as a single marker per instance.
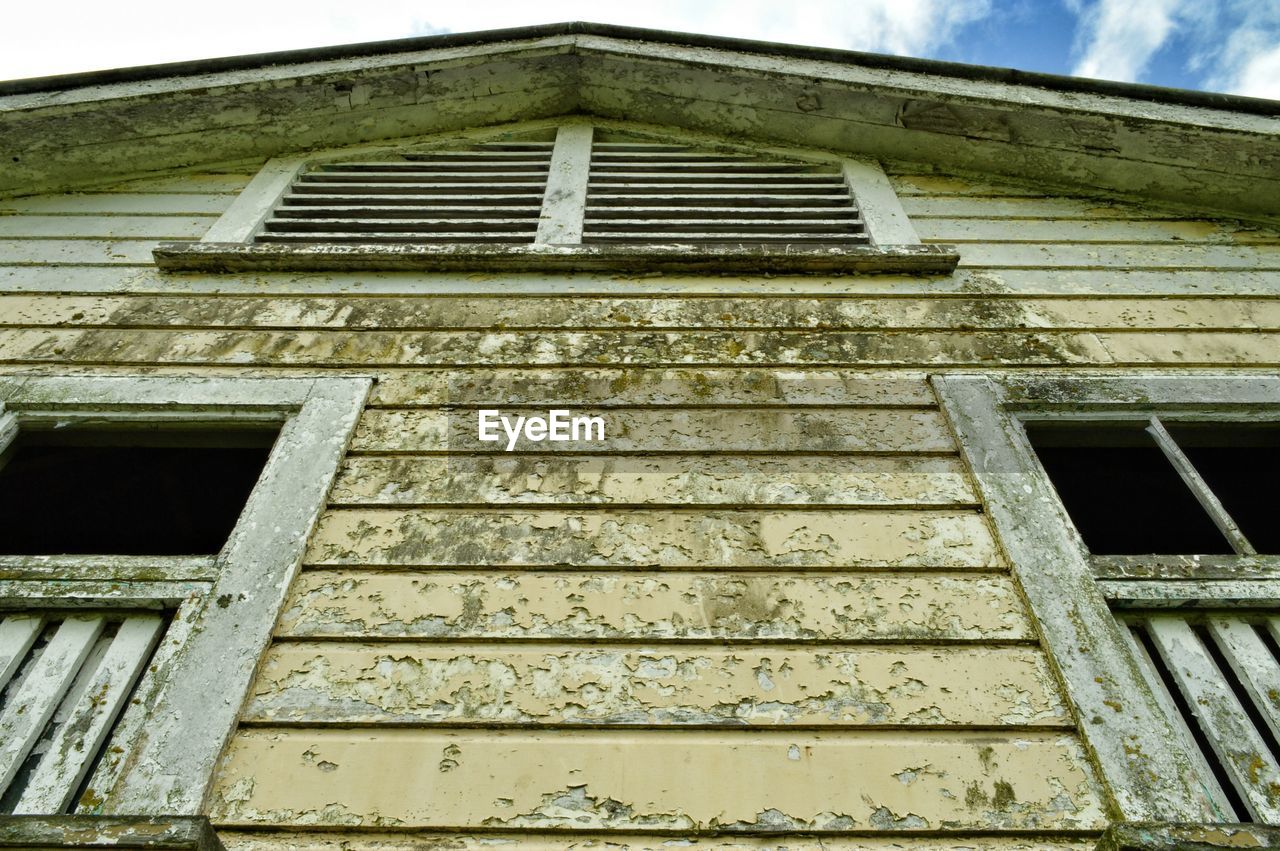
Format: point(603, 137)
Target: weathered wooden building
point(934, 506)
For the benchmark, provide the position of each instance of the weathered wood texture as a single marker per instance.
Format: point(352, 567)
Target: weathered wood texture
point(769, 600)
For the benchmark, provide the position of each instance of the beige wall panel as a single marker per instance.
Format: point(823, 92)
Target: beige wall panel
point(671, 430)
point(232, 180)
point(402, 682)
point(105, 204)
point(909, 183)
point(705, 538)
point(678, 780)
point(105, 227)
point(1041, 207)
point(604, 387)
point(1084, 230)
point(639, 386)
point(92, 252)
point(649, 606)
point(678, 313)
point(382, 348)
point(247, 840)
point(1033, 255)
point(1208, 348)
point(675, 480)
point(1101, 282)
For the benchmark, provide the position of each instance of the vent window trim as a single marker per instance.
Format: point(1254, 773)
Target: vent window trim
point(575, 226)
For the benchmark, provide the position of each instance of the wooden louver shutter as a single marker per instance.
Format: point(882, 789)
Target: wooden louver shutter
point(64, 682)
point(643, 192)
point(488, 193)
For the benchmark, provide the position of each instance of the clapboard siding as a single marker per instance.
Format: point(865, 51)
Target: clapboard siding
point(313, 683)
point(655, 479)
point(678, 779)
point(644, 605)
point(248, 840)
point(770, 599)
point(784, 349)
point(711, 313)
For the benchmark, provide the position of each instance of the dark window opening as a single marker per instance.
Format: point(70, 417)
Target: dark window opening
point(1121, 492)
point(127, 490)
point(1241, 465)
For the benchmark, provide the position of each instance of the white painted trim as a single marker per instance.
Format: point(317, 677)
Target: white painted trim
point(255, 202)
point(885, 219)
point(1152, 771)
point(564, 202)
point(227, 622)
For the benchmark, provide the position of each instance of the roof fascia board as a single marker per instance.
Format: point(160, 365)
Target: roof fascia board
point(214, 81)
point(935, 86)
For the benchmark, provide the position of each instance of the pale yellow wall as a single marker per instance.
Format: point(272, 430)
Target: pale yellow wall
point(774, 603)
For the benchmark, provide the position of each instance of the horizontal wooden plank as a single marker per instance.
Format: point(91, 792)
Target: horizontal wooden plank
point(463, 348)
point(639, 605)
point(1089, 230)
point(658, 780)
point(202, 182)
point(105, 227)
point(939, 184)
point(88, 252)
point(598, 387)
point(1101, 283)
point(921, 207)
point(116, 203)
point(538, 313)
point(1178, 256)
point(411, 683)
point(638, 538)
point(347, 840)
point(681, 430)
point(670, 480)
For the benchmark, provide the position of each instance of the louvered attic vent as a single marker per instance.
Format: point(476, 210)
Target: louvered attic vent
point(488, 193)
point(651, 193)
point(587, 201)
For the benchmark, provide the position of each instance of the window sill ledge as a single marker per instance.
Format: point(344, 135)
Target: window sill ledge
point(1187, 837)
point(710, 259)
point(172, 833)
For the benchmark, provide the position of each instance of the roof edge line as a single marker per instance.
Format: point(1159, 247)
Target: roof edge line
point(1010, 76)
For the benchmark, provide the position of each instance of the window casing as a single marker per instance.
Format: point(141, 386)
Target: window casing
point(1153, 650)
point(209, 616)
point(598, 208)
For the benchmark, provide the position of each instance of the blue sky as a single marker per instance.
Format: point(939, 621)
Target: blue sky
point(1218, 45)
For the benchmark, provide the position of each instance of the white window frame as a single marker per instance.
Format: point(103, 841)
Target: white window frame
point(894, 247)
point(1152, 771)
point(223, 607)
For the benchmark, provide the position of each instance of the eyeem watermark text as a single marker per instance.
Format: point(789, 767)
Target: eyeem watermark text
point(559, 425)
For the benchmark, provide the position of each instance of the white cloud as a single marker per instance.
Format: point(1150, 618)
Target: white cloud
point(1119, 37)
point(53, 38)
point(1244, 58)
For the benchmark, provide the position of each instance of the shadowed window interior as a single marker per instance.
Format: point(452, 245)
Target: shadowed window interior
point(127, 490)
point(1241, 465)
point(1123, 494)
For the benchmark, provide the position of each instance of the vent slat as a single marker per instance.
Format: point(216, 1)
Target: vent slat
point(84, 731)
point(1238, 745)
point(397, 225)
point(17, 634)
point(428, 178)
point(727, 236)
point(301, 201)
point(374, 211)
point(842, 213)
point(381, 237)
point(28, 711)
